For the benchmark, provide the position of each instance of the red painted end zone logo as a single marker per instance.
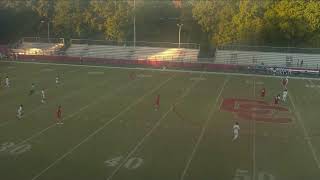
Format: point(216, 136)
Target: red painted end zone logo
point(257, 110)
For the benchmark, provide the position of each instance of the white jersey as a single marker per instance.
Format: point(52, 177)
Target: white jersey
point(7, 81)
point(57, 80)
point(285, 93)
point(236, 128)
point(20, 110)
point(43, 94)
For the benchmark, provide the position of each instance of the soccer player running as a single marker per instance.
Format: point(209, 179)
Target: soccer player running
point(57, 81)
point(236, 129)
point(277, 99)
point(285, 82)
point(157, 103)
point(20, 112)
point(32, 89)
point(59, 115)
point(7, 82)
point(43, 96)
point(284, 95)
point(263, 92)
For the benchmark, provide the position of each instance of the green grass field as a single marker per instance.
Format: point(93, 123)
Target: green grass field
point(112, 131)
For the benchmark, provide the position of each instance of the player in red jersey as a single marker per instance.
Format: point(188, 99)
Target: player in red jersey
point(59, 115)
point(157, 103)
point(263, 92)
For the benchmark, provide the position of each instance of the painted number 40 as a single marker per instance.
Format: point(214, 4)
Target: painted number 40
point(245, 175)
point(132, 163)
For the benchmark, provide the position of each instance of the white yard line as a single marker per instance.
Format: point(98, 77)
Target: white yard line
point(129, 107)
point(166, 70)
point(204, 128)
point(154, 127)
point(305, 133)
point(75, 113)
point(254, 136)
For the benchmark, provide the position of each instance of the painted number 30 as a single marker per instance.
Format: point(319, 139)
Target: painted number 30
point(245, 175)
point(132, 163)
point(12, 148)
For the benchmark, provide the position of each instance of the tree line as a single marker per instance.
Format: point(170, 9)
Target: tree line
point(216, 22)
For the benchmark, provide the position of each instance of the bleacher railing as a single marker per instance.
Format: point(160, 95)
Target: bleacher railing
point(43, 40)
point(270, 49)
point(137, 43)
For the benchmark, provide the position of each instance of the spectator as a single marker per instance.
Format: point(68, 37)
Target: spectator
point(301, 63)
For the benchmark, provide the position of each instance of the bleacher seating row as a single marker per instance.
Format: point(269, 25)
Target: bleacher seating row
point(267, 58)
point(38, 48)
point(124, 52)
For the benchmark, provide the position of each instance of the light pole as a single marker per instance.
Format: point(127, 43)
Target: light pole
point(180, 26)
point(134, 23)
point(48, 24)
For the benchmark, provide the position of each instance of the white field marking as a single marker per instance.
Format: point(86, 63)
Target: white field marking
point(96, 73)
point(47, 70)
point(167, 70)
point(313, 85)
point(154, 127)
point(129, 107)
point(144, 75)
point(11, 67)
point(197, 79)
point(254, 136)
point(305, 132)
point(75, 113)
point(204, 128)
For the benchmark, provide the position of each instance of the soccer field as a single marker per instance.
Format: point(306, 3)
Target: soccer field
point(112, 131)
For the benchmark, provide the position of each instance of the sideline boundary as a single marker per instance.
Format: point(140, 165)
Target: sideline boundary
point(163, 70)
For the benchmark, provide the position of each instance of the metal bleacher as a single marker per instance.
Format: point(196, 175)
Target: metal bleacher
point(131, 52)
point(38, 46)
point(284, 58)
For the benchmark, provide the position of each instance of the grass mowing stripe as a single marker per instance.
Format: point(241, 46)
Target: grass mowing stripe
point(204, 128)
point(154, 127)
point(254, 136)
point(102, 127)
point(75, 113)
point(165, 70)
point(305, 133)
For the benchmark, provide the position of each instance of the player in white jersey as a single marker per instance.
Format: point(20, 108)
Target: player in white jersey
point(20, 111)
point(43, 96)
point(236, 129)
point(57, 80)
point(284, 95)
point(7, 82)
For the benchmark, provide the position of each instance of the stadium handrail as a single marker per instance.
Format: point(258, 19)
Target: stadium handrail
point(197, 66)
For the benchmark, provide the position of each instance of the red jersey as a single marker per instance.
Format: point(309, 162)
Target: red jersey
point(158, 100)
point(59, 112)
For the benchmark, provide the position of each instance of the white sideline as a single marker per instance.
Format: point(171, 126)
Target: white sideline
point(305, 132)
point(154, 127)
point(165, 70)
point(204, 128)
point(102, 127)
point(73, 114)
